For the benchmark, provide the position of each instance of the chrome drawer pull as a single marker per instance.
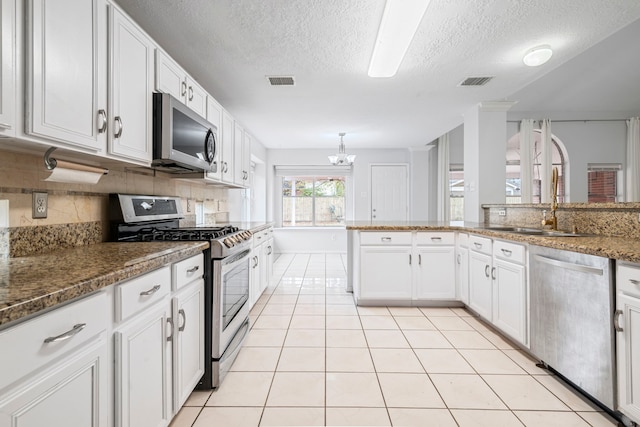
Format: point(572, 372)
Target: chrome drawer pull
point(385, 239)
point(193, 269)
point(486, 270)
point(493, 273)
point(170, 323)
point(634, 282)
point(102, 116)
point(616, 321)
point(477, 245)
point(507, 252)
point(436, 239)
point(459, 258)
point(419, 259)
point(184, 320)
point(151, 291)
point(66, 335)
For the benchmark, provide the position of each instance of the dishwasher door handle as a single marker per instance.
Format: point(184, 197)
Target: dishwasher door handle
point(569, 265)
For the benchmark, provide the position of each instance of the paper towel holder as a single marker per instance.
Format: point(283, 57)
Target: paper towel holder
point(52, 163)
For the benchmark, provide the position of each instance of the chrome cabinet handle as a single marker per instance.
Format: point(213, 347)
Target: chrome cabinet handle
point(506, 252)
point(419, 259)
point(459, 259)
point(170, 323)
point(270, 250)
point(225, 167)
point(193, 269)
point(118, 120)
point(493, 273)
point(184, 320)
point(184, 88)
point(436, 239)
point(66, 335)
point(385, 239)
point(634, 282)
point(102, 120)
point(616, 321)
point(477, 245)
point(409, 259)
point(151, 291)
point(190, 93)
point(486, 270)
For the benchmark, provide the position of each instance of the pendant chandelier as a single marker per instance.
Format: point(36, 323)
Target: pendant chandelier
point(342, 158)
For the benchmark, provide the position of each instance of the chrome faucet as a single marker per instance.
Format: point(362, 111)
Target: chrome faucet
point(553, 221)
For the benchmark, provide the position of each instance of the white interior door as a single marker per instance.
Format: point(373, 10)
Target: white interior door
point(389, 189)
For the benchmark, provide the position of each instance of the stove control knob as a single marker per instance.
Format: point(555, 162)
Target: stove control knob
point(227, 242)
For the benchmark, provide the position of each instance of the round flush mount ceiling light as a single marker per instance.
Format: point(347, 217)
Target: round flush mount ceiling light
point(537, 56)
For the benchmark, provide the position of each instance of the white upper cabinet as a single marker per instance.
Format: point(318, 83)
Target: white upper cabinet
point(66, 90)
point(7, 68)
point(238, 172)
point(228, 137)
point(214, 115)
point(246, 159)
point(130, 100)
point(171, 78)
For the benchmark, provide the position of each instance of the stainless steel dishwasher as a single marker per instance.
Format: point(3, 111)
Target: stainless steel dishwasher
point(572, 303)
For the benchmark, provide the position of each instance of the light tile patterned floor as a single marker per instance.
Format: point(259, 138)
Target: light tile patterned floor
point(312, 359)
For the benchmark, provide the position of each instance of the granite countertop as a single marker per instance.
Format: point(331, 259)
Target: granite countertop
point(253, 226)
point(34, 283)
point(619, 248)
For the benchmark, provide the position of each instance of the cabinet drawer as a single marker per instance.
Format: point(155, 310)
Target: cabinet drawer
point(262, 236)
point(628, 279)
point(509, 251)
point(435, 238)
point(187, 270)
point(136, 294)
point(39, 341)
point(480, 244)
point(463, 240)
point(385, 238)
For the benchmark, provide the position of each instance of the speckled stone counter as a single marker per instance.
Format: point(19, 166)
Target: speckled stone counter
point(34, 283)
point(619, 248)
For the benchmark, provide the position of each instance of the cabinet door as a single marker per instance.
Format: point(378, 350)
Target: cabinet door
point(67, 71)
point(143, 369)
point(7, 67)
point(510, 299)
point(268, 262)
point(480, 284)
point(228, 131)
point(254, 278)
point(628, 354)
point(188, 344)
point(246, 159)
point(435, 272)
point(130, 107)
point(238, 141)
point(462, 263)
point(196, 97)
point(214, 115)
point(385, 272)
point(170, 77)
point(71, 393)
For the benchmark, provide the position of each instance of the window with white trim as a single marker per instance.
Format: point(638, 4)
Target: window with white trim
point(604, 182)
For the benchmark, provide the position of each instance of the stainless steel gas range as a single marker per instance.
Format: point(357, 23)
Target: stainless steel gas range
point(153, 218)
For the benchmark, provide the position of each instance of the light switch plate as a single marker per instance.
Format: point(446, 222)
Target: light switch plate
point(40, 205)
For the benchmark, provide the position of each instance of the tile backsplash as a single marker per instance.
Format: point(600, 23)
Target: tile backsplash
point(78, 213)
point(609, 219)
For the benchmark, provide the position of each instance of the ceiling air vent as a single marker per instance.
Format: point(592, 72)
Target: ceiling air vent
point(281, 80)
point(475, 81)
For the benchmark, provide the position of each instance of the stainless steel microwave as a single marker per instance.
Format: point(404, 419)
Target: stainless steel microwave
point(183, 141)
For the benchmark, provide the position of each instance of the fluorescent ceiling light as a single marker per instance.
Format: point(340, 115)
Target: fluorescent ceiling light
point(537, 56)
point(399, 24)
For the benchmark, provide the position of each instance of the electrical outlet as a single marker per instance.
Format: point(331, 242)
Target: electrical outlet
point(502, 212)
point(40, 205)
point(189, 205)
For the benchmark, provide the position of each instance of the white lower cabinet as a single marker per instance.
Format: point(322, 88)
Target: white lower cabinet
point(261, 263)
point(627, 325)
point(385, 273)
point(68, 394)
point(143, 369)
point(54, 368)
point(480, 282)
point(462, 273)
point(406, 267)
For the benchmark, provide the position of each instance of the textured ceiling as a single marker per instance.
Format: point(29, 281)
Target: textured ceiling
point(229, 46)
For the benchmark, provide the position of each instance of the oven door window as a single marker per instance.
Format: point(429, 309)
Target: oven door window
point(235, 291)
